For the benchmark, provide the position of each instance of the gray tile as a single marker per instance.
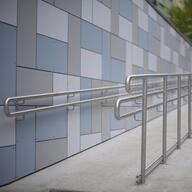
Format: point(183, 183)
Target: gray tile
point(91, 37)
point(135, 24)
point(145, 6)
point(7, 164)
point(8, 61)
point(116, 124)
point(137, 70)
point(115, 17)
point(154, 28)
point(96, 109)
point(154, 45)
point(106, 56)
point(145, 61)
point(50, 1)
point(165, 67)
point(74, 64)
point(73, 7)
point(26, 33)
point(107, 3)
point(143, 39)
point(52, 55)
point(25, 145)
point(51, 124)
point(106, 111)
point(49, 152)
point(117, 48)
point(34, 82)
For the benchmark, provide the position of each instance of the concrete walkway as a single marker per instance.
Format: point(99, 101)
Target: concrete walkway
point(113, 165)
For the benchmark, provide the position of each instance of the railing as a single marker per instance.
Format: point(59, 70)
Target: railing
point(152, 85)
point(145, 171)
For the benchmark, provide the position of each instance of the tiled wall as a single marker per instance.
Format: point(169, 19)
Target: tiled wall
point(58, 45)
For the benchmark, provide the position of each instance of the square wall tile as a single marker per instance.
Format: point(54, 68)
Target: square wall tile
point(8, 61)
point(125, 29)
point(128, 62)
point(126, 9)
point(152, 62)
point(51, 124)
point(137, 56)
point(100, 12)
point(175, 58)
point(90, 140)
point(154, 29)
point(50, 152)
point(7, 129)
point(88, 31)
point(143, 20)
point(8, 11)
point(51, 21)
point(152, 12)
point(52, 55)
point(143, 39)
point(139, 3)
point(91, 64)
point(87, 10)
point(7, 164)
point(115, 17)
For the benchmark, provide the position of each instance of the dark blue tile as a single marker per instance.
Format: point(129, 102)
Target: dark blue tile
point(7, 61)
point(7, 164)
point(91, 37)
point(52, 55)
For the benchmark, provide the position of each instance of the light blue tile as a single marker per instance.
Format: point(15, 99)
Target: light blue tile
point(86, 111)
point(143, 39)
point(106, 57)
point(7, 164)
point(165, 67)
point(116, 124)
point(117, 70)
point(7, 61)
point(154, 28)
point(125, 9)
point(52, 55)
point(25, 145)
point(51, 124)
point(91, 37)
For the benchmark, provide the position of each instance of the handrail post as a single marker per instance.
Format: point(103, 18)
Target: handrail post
point(144, 131)
point(189, 106)
point(178, 112)
point(164, 147)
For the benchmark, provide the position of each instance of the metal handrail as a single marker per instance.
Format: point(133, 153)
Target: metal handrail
point(145, 171)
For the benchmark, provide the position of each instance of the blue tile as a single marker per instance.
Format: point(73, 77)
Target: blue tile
point(125, 9)
point(91, 37)
point(7, 164)
point(7, 61)
point(85, 109)
point(25, 145)
point(137, 69)
point(52, 55)
point(117, 70)
point(165, 67)
point(106, 57)
point(154, 28)
point(51, 124)
point(116, 124)
point(143, 39)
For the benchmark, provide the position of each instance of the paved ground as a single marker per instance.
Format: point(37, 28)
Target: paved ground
point(113, 165)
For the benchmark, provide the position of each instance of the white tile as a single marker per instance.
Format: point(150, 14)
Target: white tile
point(59, 85)
point(101, 15)
point(87, 10)
point(125, 29)
point(152, 13)
point(175, 58)
point(152, 62)
point(137, 56)
point(143, 20)
point(128, 58)
point(8, 11)
point(139, 3)
point(7, 129)
point(117, 132)
point(52, 21)
point(90, 140)
point(74, 119)
point(91, 64)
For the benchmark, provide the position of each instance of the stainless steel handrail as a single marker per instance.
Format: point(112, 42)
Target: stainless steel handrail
point(145, 78)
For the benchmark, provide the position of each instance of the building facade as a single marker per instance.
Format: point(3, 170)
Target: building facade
point(58, 45)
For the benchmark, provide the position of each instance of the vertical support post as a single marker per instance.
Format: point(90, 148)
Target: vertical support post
point(189, 106)
point(178, 112)
point(164, 146)
point(144, 130)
